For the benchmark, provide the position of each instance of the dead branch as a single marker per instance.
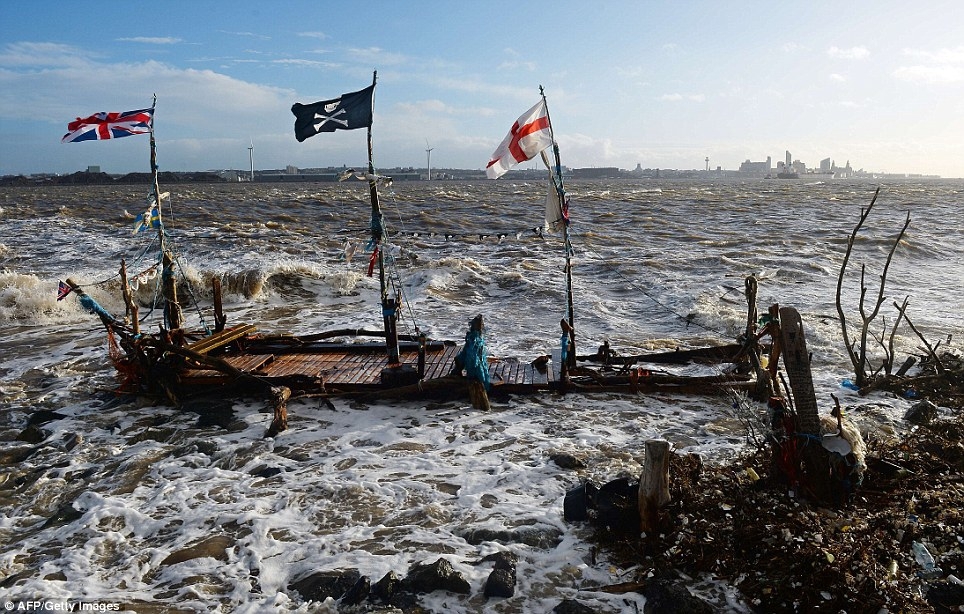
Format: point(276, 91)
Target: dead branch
point(857, 350)
point(864, 213)
point(931, 351)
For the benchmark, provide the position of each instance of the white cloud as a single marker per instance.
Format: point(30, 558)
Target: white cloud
point(676, 97)
point(837, 78)
point(941, 56)
point(853, 53)
point(530, 66)
point(152, 40)
point(942, 73)
point(377, 56)
point(248, 34)
point(35, 55)
point(305, 63)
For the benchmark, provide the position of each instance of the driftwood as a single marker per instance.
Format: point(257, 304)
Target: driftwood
point(219, 318)
point(279, 423)
point(478, 395)
point(711, 354)
point(129, 299)
point(858, 356)
point(172, 308)
point(653, 485)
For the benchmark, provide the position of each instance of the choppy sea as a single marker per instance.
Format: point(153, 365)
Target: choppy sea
point(107, 498)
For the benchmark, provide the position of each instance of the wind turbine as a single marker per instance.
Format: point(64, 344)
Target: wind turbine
point(428, 153)
point(251, 158)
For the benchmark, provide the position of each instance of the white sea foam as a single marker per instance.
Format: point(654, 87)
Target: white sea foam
point(382, 487)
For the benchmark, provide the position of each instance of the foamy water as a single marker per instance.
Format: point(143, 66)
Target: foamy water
point(381, 487)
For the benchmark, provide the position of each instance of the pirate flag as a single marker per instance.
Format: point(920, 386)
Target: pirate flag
point(350, 111)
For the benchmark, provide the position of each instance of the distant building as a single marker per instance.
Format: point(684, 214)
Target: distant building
point(596, 173)
point(757, 168)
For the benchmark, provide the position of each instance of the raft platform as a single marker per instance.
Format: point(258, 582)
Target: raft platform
point(332, 368)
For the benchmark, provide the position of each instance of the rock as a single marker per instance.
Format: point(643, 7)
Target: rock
point(386, 588)
point(43, 416)
point(65, 513)
point(263, 471)
point(358, 592)
point(437, 576)
point(617, 506)
point(567, 461)
point(324, 584)
point(946, 596)
point(72, 440)
point(214, 547)
point(571, 606)
point(503, 560)
point(579, 500)
point(33, 434)
point(12, 456)
point(921, 413)
point(500, 583)
point(664, 597)
point(537, 537)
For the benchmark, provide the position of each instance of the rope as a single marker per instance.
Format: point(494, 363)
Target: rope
point(394, 276)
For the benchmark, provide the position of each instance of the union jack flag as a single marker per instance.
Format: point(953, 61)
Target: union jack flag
point(62, 291)
point(105, 125)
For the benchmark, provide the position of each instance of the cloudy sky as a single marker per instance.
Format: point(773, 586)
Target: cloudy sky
point(662, 84)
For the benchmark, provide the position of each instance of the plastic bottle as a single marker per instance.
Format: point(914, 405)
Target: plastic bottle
point(926, 561)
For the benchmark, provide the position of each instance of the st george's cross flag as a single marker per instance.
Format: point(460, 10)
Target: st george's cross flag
point(529, 136)
point(347, 112)
point(105, 125)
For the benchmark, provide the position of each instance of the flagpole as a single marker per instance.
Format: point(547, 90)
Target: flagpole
point(389, 304)
point(173, 315)
point(156, 187)
point(561, 193)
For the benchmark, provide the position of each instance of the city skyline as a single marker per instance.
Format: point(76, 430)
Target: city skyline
point(661, 84)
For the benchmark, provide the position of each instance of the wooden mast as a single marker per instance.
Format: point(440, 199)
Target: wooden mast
point(173, 316)
point(561, 194)
point(389, 303)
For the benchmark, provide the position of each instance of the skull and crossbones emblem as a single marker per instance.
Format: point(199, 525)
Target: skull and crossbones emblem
point(331, 117)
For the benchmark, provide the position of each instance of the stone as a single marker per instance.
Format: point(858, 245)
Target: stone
point(437, 576)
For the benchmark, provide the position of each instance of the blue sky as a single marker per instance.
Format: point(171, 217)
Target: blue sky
point(662, 84)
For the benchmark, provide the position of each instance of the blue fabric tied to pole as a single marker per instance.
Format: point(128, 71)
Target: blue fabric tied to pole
point(564, 342)
point(475, 357)
point(91, 306)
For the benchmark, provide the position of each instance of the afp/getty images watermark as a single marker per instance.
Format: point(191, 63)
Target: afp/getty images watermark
point(60, 606)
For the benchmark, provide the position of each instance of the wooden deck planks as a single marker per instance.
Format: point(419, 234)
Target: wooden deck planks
point(221, 338)
point(362, 369)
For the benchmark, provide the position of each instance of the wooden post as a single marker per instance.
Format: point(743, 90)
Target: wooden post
point(653, 485)
point(813, 457)
point(129, 299)
point(219, 318)
point(279, 423)
point(172, 310)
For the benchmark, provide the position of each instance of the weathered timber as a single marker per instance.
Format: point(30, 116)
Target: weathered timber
point(653, 485)
point(221, 338)
point(721, 353)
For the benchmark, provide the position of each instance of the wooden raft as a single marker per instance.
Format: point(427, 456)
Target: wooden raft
point(355, 368)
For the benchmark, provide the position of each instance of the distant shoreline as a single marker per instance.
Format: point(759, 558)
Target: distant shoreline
point(413, 175)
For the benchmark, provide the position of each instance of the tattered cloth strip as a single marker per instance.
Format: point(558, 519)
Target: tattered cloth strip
point(475, 357)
